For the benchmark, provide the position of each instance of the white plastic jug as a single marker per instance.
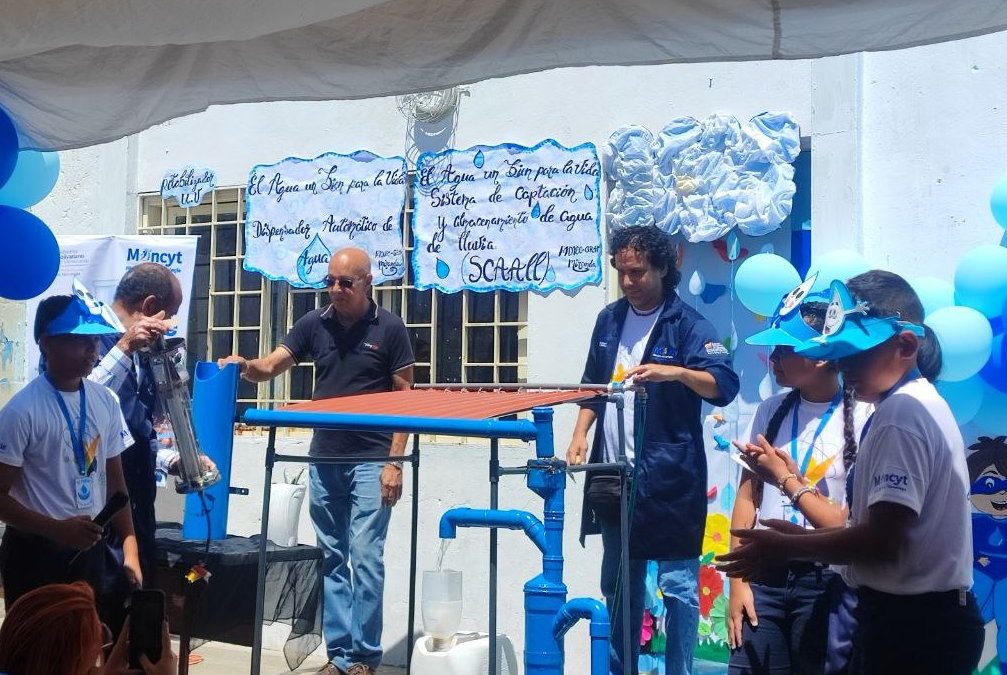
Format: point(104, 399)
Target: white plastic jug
point(469, 655)
point(284, 513)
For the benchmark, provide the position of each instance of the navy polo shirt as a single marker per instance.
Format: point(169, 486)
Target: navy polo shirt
point(359, 359)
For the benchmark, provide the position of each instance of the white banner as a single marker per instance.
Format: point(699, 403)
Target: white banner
point(508, 217)
point(100, 261)
point(298, 211)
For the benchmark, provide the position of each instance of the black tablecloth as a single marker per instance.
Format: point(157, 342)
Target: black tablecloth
point(226, 609)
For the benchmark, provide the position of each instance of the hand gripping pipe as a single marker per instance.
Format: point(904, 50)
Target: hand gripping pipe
point(587, 608)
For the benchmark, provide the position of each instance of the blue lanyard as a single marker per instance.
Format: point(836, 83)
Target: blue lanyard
point(826, 416)
point(76, 436)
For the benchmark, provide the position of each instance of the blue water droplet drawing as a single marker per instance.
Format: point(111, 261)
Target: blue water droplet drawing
point(479, 159)
point(588, 192)
point(727, 498)
point(550, 275)
point(733, 246)
point(536, 210)
point(313, 262)
point(443, 270)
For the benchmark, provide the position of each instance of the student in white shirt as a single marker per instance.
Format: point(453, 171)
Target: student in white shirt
point(60, 441)
point(908, 548)
point(777, 623)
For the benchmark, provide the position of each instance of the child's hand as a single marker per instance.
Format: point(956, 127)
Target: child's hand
point(77, 532)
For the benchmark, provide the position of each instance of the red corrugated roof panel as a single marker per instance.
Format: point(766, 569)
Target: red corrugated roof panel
point(443, 403)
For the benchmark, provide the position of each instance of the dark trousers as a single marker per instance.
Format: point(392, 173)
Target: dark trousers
point(792, 609)
point(28, 561)
point(928, 634)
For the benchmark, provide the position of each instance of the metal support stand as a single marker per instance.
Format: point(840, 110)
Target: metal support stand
point(413, 531)
point(272, 458)
point(260, 583)
point(494, 504)
point(624, 604)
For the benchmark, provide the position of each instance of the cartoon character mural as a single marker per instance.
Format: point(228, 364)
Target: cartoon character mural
point(988, 476)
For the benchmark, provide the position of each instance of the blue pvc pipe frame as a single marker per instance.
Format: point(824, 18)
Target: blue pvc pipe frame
point(545, 595)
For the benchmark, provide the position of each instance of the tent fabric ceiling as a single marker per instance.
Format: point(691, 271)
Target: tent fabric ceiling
point(79, 72)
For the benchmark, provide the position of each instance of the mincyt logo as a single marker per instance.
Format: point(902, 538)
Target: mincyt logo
point(160, 257)
point(894, 481)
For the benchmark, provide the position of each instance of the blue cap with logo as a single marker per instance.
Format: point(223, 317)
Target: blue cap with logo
point(85, 315)
point(850, 328)
point(787, 326)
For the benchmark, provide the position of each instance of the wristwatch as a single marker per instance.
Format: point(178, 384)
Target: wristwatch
point(397, 465)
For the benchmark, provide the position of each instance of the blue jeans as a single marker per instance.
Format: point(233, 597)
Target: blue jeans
point(351, 524)
point(792, 607)
point(679, 583)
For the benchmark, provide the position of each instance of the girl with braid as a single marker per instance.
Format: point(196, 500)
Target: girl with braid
point(778, 622)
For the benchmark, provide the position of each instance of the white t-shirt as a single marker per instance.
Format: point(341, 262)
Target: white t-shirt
point(823, 458)
point(34, 436)
point(914, 455)
point(632, 344)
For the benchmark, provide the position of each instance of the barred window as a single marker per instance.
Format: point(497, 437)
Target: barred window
point(457, 337)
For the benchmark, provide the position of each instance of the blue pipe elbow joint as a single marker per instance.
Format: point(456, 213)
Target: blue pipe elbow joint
point(509, 520)
point(582, 608)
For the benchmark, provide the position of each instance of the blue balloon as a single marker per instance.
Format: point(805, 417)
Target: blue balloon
point(34, 177)
point(992, 416)
point(8, 146)
point(998, 202)
point(965, 337)
point(981, 279)
point(762, 281)
point(842, 265)
point(29, 260)
point(994, 373)
point(965, 397)
point(934, 293)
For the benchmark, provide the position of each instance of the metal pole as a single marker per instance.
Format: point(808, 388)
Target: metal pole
point(471, 386)
point(624, 525)
point(494, 503)
point(260, 584)
point(411, 623)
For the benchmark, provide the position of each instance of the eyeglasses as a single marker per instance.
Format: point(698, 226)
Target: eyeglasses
point(343, 282)
point(989, 485)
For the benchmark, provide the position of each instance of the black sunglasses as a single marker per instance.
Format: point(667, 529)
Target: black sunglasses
point(344, 282)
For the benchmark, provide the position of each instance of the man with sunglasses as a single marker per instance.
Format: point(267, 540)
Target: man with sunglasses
point(357, 347)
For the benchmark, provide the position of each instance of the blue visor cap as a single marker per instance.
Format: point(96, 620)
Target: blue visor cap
point(79, 319)
point(787, 326)
point(849, 328)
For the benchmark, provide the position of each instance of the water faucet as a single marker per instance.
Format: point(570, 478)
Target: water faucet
point(510, 520)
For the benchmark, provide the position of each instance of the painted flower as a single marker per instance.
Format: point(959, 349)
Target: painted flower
point(647, 630)
point(717, 537)
point(711, 586)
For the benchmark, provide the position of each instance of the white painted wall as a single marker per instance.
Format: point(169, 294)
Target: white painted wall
point(906, 148)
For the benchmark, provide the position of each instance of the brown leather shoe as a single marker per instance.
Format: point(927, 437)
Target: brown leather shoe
point(330, 669)
point(361, 669)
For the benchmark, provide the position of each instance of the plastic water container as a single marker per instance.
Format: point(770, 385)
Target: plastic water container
point(441, 605)
point(284, 513)
point(469, 654)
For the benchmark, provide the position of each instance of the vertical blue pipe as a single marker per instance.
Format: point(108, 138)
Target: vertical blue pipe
point(214, 394)
point(544, 446)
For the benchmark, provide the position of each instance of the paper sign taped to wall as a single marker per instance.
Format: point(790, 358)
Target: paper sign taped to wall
point(508, 217)
point(299, 211)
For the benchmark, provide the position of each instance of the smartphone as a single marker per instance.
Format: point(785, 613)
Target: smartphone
point(115, 503)
point(146, 619)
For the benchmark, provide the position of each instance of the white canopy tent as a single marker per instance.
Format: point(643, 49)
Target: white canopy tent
point(79, 72)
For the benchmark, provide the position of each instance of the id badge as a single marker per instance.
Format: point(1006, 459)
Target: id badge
point(84, 492)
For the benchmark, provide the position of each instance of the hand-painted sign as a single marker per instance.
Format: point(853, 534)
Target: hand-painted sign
point(507, 217)
point(301, 210)
point(188, 185)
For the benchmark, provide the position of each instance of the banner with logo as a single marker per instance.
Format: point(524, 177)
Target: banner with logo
point(100, 261)
point(298, 211)
point(508, 217)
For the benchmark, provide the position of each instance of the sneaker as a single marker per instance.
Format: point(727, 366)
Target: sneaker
point(330, 669)
point(361, 669)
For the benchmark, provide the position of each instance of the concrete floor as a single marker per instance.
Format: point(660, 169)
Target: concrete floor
point(221, 659)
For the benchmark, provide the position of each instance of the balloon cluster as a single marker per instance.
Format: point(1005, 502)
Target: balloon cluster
point(29, 260)
point(968, 317)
